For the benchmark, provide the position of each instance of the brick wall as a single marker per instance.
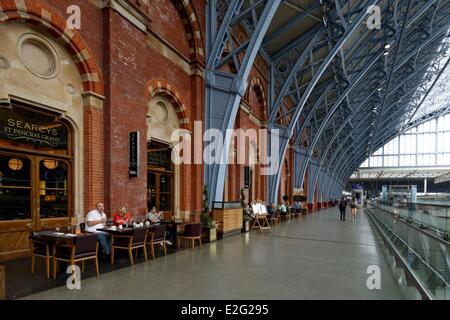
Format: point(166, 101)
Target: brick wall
point(126, 61)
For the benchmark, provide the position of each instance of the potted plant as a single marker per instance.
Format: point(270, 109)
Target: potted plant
point(246, 214)
point(209, 225)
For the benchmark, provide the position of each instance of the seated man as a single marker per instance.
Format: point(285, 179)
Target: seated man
point(297, 207)
point(96, 219)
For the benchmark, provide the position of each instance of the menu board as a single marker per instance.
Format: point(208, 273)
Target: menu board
point(263, 209)
point(259, 208)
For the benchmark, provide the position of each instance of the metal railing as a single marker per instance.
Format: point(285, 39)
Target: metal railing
point(423, 253)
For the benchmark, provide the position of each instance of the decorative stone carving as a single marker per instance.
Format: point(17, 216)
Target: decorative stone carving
point(71, 89)
point(38, 56)
point(162, 113)
point(4, 63)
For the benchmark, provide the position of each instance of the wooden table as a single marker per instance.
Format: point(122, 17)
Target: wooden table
point(265, 222)
point(57, 236)
point(117, 231)
point(170, 225)
point(2, 283)
point(54, 238)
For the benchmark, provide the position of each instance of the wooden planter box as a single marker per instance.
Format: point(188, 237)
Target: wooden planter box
point(229, 216)
point(209, 234)
point(246, 226)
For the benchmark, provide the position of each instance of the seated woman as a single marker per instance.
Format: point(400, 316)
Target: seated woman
point(283, 209)
point(122, 217)
point(154, 216)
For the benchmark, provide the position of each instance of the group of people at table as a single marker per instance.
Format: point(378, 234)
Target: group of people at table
point(283, 209)
point(97, 220)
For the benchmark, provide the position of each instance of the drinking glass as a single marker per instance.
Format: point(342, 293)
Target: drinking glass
point(57, 227)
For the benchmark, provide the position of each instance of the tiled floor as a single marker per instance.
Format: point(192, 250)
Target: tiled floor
point(310, 257)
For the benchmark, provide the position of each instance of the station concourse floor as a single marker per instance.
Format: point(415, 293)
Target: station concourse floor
point(309, 257)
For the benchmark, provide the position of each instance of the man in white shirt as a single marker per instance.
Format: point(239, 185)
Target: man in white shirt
point(96, 219)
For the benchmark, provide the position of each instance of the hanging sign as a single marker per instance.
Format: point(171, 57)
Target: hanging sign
point(134, 154)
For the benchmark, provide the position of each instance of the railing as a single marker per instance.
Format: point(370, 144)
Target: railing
point(424, 253)
point(430, 216)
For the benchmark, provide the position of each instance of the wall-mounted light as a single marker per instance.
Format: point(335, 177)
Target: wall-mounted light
point(15, 164)
point(50, 164)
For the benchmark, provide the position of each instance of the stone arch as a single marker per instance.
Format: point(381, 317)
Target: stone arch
point(40, 15)
point(159, 86)
point(193, 28)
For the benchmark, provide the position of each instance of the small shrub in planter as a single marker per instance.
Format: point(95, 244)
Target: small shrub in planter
point(209, 225)
point(246, 214)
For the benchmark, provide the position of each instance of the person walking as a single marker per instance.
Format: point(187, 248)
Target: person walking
point(353, 207)
point(342, 207)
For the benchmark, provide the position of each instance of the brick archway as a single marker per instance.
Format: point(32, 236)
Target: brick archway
point(158, 86)
point(40, 15)
point(44, 18)
point(257, 83)
point(193, 28)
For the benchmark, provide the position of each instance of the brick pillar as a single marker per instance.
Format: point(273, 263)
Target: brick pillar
point(93, 150)
point(197, 106)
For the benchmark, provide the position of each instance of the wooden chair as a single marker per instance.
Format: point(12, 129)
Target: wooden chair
point(130, 242)
point(192, 232)
point(274, 218)
point(157, 237)
point(83, 248)
point(43, 249)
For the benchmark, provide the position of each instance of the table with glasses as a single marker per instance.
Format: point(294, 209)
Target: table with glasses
point(53, 235)
point(172, 226)
point(56, 238)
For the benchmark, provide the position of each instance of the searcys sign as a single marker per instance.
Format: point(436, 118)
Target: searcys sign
point(35, 128)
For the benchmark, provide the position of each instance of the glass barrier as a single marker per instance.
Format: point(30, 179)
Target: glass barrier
point(435, 217)
point(418, 233)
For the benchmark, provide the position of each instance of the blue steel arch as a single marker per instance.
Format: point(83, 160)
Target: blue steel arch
point(337, 90)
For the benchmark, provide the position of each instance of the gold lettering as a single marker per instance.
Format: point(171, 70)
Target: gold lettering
point(11, 122)
point(19, 124)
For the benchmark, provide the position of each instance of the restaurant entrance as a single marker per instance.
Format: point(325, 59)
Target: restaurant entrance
point(160, 178)
point(35, 176)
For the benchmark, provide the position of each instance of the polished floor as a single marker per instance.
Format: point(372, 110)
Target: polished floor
point(310, 257)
